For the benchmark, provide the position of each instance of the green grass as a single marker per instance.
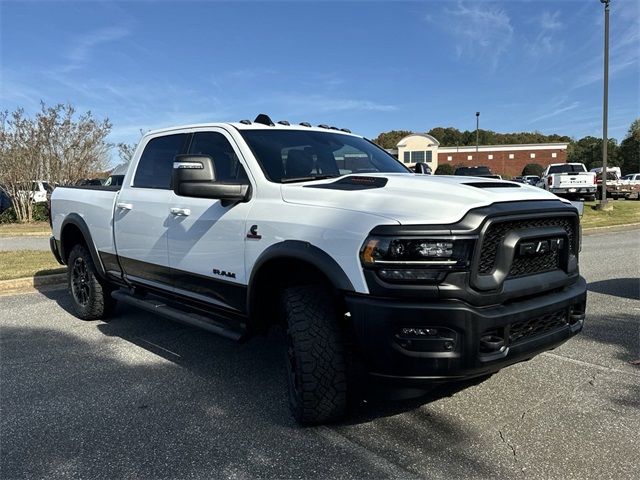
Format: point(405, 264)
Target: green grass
point(20, 229)
point(624, 211)
point(28, 263)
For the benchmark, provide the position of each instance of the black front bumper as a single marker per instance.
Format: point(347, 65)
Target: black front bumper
point(459, 348)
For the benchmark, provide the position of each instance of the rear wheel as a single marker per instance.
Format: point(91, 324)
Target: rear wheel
point(90, 296)
point(316, 366)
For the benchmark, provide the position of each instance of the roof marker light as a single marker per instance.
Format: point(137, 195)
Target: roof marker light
point(284, 122)
point(305, 124)
point(323, 125)
point(245, 122)
point(345, 130)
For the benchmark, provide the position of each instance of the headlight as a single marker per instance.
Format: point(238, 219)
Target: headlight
point(415, 259)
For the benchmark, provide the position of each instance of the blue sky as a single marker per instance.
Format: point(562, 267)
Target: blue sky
point(369, 66)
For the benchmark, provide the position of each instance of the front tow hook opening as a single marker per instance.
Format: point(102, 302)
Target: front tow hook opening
point(491, 343)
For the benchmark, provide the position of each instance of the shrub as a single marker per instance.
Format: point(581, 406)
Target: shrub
point(8, 216)
point(533, 169)
point(40, 212)
point(444, 169)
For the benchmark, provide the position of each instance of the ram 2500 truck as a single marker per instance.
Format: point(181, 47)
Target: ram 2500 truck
point(239, 227)
point(569, 180)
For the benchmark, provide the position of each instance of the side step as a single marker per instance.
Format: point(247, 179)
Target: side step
point(158, 306)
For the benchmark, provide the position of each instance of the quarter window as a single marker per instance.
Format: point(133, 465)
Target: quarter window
point(156, 163)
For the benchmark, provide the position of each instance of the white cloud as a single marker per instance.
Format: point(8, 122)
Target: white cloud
point(81, 51)
point(546, 42)
point(557, 111)
point(481, 30)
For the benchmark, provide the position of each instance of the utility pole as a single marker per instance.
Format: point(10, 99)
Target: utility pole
point(605, 107)
point(477, 131)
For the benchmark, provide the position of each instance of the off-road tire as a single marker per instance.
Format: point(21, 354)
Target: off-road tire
point(90, 296)
point(315, 354)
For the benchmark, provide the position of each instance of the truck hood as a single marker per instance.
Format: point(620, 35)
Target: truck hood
point(412, 199)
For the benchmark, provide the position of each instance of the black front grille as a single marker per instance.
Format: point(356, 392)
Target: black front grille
point(522, 266)
point(525, 329)
point(496, 232)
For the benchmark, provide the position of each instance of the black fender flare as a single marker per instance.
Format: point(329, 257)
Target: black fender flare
point(77, 221)
point(304, 251)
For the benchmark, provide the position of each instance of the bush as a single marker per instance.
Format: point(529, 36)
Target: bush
point(8, 216)
point(40, 212)
point(444, 169)
point(533, 169)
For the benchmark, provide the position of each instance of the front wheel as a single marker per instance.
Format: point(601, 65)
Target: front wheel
point(91, 297)
point(316, 366)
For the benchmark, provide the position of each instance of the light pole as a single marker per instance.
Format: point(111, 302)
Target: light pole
point(605, 106)
point(477, 131)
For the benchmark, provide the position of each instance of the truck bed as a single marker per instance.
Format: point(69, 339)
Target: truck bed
point(95, 204)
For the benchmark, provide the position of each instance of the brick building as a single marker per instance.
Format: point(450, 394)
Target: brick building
point(501, 159)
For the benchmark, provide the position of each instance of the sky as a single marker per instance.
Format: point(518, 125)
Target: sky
point(367, 66)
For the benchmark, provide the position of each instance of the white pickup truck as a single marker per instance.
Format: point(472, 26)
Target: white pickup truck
point(569, 180)
point(240, 227)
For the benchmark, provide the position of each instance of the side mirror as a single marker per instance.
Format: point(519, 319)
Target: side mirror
point(195, 176)
point(422, 168)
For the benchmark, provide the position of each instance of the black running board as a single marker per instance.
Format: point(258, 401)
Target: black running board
point(158, 306)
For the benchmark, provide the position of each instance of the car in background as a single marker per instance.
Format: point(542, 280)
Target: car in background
point(478, 171)
point(5, 201)
point(37, 191)
point(632, 177)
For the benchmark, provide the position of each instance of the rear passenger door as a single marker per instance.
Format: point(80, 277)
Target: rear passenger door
point(141, 218)
point(206, 239)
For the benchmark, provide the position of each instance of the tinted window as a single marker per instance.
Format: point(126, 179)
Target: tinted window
point(566, 168)
point(156, 164)
point(287, 155)
point(215, 145)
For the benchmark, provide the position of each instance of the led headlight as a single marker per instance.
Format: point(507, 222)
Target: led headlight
point(421, 260)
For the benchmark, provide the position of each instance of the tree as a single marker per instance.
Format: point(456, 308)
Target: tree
point(533, 169)
point(126, 151)
point(588, 150)
point(629, 150)
point(444, 169)
point(55, 145)
point(391, 139)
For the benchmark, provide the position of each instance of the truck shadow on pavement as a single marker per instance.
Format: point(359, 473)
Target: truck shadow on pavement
point(95, 400)
point(618, 287)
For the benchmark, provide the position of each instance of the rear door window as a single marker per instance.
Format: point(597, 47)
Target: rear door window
point(156, 163)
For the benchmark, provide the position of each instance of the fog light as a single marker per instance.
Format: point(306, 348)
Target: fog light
point(411, 275)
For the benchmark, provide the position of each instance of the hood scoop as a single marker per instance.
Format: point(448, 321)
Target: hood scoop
point(492, 185)
point(353, 183)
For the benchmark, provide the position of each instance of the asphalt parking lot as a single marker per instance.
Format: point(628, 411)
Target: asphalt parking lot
point(146, 398)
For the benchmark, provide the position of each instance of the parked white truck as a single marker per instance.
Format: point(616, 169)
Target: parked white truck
point(569, 180)
point(239, 227)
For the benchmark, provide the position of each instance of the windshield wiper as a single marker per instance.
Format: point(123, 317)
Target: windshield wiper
point(307, 179)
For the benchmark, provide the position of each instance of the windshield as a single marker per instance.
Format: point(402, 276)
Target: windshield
point(567, 168)
point(294, 155)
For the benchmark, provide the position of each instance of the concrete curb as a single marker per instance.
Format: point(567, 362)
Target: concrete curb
point(25, 234)
point(611, 228)
point(33, 284)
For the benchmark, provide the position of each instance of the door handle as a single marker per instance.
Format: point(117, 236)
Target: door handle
point(180, 212)
point(124, 206)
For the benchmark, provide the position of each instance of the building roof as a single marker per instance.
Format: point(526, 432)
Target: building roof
point(425, 135)
point(505, 148)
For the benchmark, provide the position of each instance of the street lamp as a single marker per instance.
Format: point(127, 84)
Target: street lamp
point(605, 106)
point(477, 131)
